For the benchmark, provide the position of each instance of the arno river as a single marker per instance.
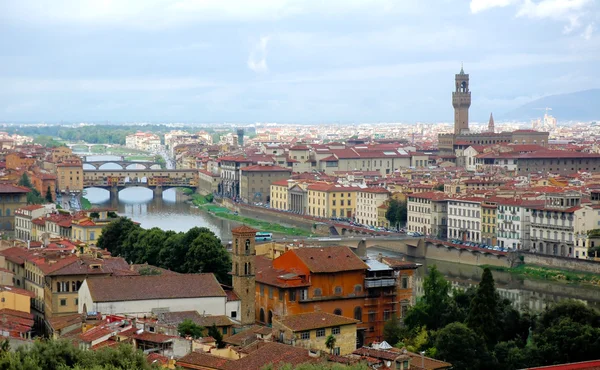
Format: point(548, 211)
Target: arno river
point(169, 214)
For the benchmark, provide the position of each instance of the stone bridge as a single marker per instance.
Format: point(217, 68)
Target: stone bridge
point(157, 180)
point(89, 146)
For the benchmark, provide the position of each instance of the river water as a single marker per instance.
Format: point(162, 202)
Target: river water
point(170, 214)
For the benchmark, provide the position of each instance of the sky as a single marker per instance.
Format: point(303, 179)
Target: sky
point(292, 61)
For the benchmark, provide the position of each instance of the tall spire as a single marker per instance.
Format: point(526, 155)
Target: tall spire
point(462, 71)
point(491, 123)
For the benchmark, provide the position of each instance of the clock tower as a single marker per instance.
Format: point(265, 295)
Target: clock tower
point(243, 254)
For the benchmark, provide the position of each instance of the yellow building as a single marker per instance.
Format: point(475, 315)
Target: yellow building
point(16, 299)
point(488, 223)
point(12, 197)
point(279, 195)
point(311, 330)
point(381, 212)
point(70, 176)
point(87, 230)
point(61, 153)
point(332, 200)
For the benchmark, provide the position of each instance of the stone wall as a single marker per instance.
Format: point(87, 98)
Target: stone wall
point(561, 262)
point(464, 256)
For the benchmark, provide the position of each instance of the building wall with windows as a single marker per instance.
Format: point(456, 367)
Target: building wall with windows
point(313, 336)
point(488, 223)
point(514, 223)
point(427, 213)
point(464, 219)
point(368, 201)
point(279, 195)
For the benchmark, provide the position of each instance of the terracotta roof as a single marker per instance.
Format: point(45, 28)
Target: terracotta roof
point(376, 189)
point(273, 353)
point(131, 288)
point(157, 358)
point(15, 254)
point(243, 229)
point(283, 182)
point(246, 336)
point(432, 195)
point(315, 320)
point(399, 264)
point(153, 337)
point(91, 266)
point(31, 207)
point(329, 259)
point(584, 365)
point(61, 322)
point(231, 296)
point(267, 274)
point(136, 268)
point(13, 189)
point(12, 289)
point(265, 168)
point(201, 360)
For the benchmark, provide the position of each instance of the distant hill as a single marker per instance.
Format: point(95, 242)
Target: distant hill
point(577, 106)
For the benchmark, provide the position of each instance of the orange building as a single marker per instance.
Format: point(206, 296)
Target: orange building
point(42, 180)
point(18, 160)
point(333, 280)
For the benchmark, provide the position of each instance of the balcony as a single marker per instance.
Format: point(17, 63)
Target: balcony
point(378, 283)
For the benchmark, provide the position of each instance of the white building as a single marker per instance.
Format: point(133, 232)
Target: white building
point(464, 219)
point(560, 227)
point(368, 201)
point(513, 225)
point(24, 216)
point(146, 141)
point(427, 213)
point(142, 295)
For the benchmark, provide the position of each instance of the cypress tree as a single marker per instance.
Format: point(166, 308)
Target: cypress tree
point(484, 316)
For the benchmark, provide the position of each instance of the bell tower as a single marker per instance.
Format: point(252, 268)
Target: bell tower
point(461, 101)
point(243, 271)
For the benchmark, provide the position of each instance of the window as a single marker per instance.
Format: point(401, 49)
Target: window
point(338, 290)
point(292, 294)
point(224, 330)
point(358, 313)
point(63, 302)
point(281, 294)
point(317, 292)
point(305, 335)
point(271, 292)
point(386, 315)
point(262, 290)
point(405, 282)
point(76, 301)
point(335, 330)
point(337, 311)
point(233, 314)
point(336, 351)
point(372, 316)
point(320, 333)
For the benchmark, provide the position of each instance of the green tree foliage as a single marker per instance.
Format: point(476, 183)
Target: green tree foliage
point(330, 343)
point(59, 355)
point(24, 180)
point(94, 215)
point(49, 195)
point(392, 332)
point(214, 332)
point(436, 308)
point(567, 332)
point(197, 250)
point(439, 187)
point(47, 141)
point(484, 313)
point(396, 213)
point(462, 347)
point(188, 328)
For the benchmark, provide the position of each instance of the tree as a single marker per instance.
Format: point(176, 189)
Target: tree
point(214, 332)
point(207, 254)
point(462, 347)
point(567, 332)
point(439, 187)
point(435, 309)
point(49, 198)
point(24, 180)
point(188, 328)
point(330, 343)
point(114, 234)
point(484, 313)
point(94, 215)
point(392, 332)
point(392, 213)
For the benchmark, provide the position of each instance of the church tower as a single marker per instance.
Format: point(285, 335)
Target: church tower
point(461, 101)
point(243, 271)
point(491, 124)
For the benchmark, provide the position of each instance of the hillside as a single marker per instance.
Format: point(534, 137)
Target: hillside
point(577, 106)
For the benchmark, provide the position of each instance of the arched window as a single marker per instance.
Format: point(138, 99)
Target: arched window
point(317, 292)
point(358, 313)
point(337, 311)
point(338, 290)
point(357, 288)
point(261, 317)
point(245, 269)
point(270, 317)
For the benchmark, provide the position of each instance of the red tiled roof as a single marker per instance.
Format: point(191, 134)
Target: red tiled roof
point(195, 360)
point(131, 288)
point(153, 337)
point(329, 259)
point(243, 229)
point(315, 320)
point(271, 353)
point(265, 168)
point(376, 189)
point(13, 189)
point(16, 255)
point(14, 290)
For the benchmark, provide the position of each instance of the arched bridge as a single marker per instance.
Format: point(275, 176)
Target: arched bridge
point(158, 180)
point(123, 164)
point(89, 146)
